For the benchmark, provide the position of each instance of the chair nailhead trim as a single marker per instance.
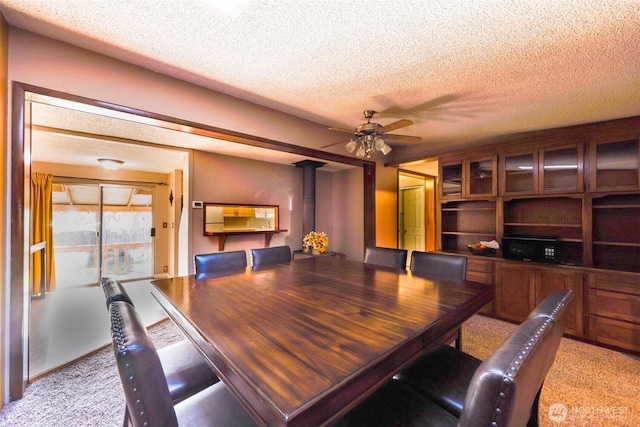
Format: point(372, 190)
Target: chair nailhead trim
point(120, 341)
point(513, 368)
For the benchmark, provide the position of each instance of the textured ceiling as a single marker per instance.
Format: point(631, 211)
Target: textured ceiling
point(461, 70)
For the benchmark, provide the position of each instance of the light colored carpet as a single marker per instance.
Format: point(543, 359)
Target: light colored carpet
point(86, 393)
point(587, 385)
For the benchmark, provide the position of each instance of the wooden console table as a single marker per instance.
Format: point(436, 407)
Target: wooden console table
point(222, 236)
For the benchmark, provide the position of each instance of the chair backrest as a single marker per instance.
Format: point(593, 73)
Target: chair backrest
point(386, 257)
point(506, 387)
point(143, 380)
point(220, 261)
point(441, 265)
point(553, 305)
point(274, 255)
point(114, 291)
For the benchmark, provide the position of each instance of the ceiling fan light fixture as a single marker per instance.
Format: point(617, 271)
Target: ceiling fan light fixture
point(369, 137)
point(110, 164)
point(351, 146)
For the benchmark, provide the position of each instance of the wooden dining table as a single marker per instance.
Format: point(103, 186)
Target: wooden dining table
point(300, 344)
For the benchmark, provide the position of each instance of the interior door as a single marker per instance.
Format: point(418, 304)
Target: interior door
point(414, 224)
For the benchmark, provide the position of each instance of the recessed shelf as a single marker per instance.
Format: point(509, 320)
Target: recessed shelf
point(467, 209)
point(538, 224)
point(470, 233)
point(616, 206)
point(621, 244)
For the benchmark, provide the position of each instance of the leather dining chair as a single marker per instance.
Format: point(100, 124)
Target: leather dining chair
point(446, 266)
point(448, 387)
point(386, 257)
point(114, 291)
point(265, 256)
point(186, 371)
point(148, 401)
point(219, 261)
point(437, 264)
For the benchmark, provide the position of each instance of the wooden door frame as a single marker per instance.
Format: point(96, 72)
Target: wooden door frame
point(426, 204)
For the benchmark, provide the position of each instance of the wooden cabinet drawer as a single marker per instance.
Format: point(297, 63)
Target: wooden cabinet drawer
point(615, 332)
point(618, 282)
point(479, 265)
point(615, 305)
point(478, 276)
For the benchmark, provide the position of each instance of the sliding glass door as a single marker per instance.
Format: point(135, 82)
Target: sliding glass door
point(101, 230)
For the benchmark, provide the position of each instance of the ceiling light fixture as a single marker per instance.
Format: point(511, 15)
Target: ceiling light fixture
point(110, 164)
point(231, 8)
point(367, 143)
point(368, 138)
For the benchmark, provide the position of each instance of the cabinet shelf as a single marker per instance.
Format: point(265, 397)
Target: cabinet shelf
point(222, 236)
point(467, 209)
point(539, 224)
point(470, 233)
point(620, 244)
point(632, 206)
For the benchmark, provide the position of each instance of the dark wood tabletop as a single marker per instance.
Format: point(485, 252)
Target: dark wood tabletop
point(302, 343)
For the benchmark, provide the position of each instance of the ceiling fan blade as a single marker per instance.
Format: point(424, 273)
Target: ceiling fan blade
point(343, 130)
point(401, 138)
point(396, 125)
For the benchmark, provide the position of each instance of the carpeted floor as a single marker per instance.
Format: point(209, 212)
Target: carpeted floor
point(86, 393)
point(587, 385)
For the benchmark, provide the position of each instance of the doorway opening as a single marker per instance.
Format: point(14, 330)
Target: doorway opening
point(416, 212)
point(99, 229)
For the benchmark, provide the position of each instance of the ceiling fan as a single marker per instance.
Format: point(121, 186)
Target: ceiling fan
point(370, 137)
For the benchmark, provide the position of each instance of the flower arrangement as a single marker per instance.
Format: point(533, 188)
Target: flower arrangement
point(316, 240)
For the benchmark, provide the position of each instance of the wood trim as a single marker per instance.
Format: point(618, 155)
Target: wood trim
point(369, 195)
point(205, 130)
point(18, 251)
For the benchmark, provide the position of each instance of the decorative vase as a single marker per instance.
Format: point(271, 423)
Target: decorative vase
point(315, 252)
point(306, 250)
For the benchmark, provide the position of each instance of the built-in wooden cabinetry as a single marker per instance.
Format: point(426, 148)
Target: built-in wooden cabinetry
point(520, 287)
point(558, 216)
point(545, 170)
point(579, 184)
point(469, 178)
point(616, 232)
point(481, 270)
point(467, 221)
point(614, 307)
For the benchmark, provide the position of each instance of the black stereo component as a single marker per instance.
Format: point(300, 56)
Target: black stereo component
point(533, 248)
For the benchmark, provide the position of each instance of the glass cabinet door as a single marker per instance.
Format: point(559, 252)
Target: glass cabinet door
point(616, 166)
point(562, 169)
point(452, 180)
point(482, 177)
point(520, 174)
